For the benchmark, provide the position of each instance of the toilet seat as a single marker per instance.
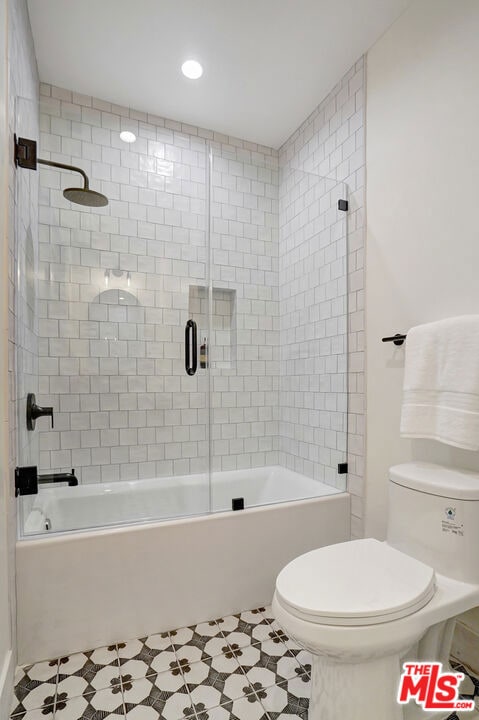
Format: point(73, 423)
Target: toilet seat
point(361, 582)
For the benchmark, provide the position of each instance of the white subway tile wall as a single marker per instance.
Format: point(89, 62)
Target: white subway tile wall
point(330, 143)
point(117, 285)
point(244, 254)
point(313, 338)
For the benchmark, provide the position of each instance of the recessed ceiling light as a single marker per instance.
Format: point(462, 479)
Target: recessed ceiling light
point(127, 136)
point(192, 69)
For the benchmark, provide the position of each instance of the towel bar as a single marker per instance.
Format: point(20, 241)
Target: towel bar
point(397, 339)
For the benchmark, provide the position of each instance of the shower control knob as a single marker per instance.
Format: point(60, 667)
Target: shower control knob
point(35, 411)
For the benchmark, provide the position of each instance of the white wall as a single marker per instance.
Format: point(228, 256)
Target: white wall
point(6, 657)
point(422, 203)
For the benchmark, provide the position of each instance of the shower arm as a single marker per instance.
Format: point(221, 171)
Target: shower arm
point(51, 163)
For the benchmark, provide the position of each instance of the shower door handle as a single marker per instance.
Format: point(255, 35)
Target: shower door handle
point(191, 348)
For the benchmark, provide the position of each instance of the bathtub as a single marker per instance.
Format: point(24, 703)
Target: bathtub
point(158, 558)
point(100, 505)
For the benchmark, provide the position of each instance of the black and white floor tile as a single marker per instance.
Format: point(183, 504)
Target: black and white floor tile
point(241, 667)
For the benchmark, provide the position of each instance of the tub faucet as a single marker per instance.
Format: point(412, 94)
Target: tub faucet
point(27, 479)
point(70, 478)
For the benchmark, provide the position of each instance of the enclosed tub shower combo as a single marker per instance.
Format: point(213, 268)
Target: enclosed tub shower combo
point(181, 370)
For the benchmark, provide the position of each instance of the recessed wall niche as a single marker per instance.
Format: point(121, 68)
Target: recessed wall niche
point(221, 340)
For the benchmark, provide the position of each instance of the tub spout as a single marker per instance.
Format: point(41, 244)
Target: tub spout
point(70, 478)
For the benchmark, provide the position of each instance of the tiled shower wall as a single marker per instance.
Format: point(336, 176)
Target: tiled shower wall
point(313, 307)
point(111, 365)
point(116, 284)
point(244, 253)
point(330, 143)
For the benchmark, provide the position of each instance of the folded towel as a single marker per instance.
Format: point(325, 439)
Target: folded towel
point(441, 382)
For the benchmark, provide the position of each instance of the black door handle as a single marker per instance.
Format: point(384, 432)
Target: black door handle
point(191, 348)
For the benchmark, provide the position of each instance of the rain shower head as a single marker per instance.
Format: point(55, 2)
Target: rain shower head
point(81, 196)
point(85, 196)
point(26, 157)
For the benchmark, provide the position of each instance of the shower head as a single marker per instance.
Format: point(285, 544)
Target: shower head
point(26, 157)
point(81, 196)
point(85, 196)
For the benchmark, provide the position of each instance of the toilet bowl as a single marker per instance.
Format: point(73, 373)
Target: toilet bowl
point(364, 607)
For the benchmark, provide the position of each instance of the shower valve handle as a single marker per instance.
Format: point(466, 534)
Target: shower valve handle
point(35, 411)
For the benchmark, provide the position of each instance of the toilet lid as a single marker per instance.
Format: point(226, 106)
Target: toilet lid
point(362, 582)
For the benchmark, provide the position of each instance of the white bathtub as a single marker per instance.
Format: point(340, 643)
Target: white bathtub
point(64, 509)
point(88, 588)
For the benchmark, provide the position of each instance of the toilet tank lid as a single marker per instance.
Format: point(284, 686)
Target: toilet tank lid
point(437, 480)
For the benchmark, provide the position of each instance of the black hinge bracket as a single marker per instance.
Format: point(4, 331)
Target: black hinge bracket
point(25, 153)
point(343, 205)
point(26, 480)
point(342, 468)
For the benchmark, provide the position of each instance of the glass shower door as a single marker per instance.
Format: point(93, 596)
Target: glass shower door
point(121, 310)
point(313, 288)
point(245, 359)
point(278, 331)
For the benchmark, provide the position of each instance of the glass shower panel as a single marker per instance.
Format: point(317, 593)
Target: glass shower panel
point(245, 361)
point(122, 298)
point(278, 245)
point(23, 250)
point(313, 336)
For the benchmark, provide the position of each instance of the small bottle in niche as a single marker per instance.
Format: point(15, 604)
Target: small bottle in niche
point(204, 354)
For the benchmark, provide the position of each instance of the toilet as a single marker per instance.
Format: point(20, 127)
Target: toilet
point(364, 607)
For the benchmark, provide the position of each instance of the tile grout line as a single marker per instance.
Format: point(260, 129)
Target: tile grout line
point(121, 681)
point(195, 715)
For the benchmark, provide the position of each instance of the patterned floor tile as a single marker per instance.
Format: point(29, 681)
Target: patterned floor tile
point(251, 655)
point(245, 628)
point(92, 670)
point(303, 657)
point(220, 712)
point(37, 714)
point(241, 667)
point(40, 696)
point(288, 698)
point(244, 708)
point(165, 694)
point(192, 653)
point(206, 638)
point(34, 686)
point(75, 686)
point(147, 656)
point(40, 672)
point(272, 656)
point(102, 705)
point(210, 685)
point(99, 658)
point(89, 679)
point(248, 708)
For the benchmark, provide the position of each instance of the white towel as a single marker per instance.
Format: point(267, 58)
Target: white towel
point(441, 382)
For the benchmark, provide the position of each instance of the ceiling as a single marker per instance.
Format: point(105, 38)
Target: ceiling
point(267, 63)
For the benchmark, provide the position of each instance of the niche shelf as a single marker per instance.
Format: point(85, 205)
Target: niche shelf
point(222, 337)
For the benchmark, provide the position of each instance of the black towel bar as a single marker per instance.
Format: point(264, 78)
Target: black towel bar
point(397, 339)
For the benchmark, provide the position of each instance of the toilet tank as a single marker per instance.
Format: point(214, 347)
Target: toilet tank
point(434, 517)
